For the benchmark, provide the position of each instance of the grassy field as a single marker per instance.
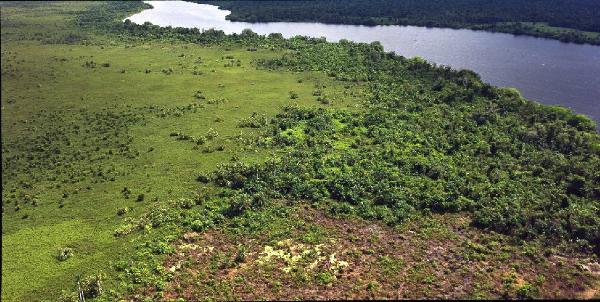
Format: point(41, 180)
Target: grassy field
point(48, 92)
point(104, 140)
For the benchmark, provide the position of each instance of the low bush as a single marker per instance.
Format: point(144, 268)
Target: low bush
point(64, 253)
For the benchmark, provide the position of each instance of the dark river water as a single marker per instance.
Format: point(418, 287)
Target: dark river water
point(547, 71)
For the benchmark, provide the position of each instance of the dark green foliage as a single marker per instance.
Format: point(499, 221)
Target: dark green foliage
point(503, 16)
point(432, 139)
point(122, 211)
point(52, 153)
point(92, 286)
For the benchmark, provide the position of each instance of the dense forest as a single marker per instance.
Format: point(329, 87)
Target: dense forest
point(432, 139)
point(536, 17)
point(249, 167)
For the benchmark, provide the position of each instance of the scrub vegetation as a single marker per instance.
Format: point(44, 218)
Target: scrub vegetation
point(170, 164)
point(568, 21)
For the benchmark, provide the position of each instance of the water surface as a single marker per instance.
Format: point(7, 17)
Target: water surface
point(544, 70)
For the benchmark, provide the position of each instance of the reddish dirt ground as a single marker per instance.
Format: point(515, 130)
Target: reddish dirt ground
point(441, 257)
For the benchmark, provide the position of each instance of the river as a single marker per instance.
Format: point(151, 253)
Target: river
point(544, 70)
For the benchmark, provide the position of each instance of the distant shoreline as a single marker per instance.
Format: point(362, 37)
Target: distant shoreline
point(249, 11)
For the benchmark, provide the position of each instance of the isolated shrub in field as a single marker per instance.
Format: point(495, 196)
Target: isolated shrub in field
point(122, 211)
point(203, 178)
point(140, 197)
point(90, 64)
point(208, 149)
point(254, 121)
point(198, 94)
point(201, 140)
point(293, 95)
point(212, 134)
point(126, 192)
point(91, 286)
point(64, 253)
point(240, 255)
point(217, 101)
point(323, 100)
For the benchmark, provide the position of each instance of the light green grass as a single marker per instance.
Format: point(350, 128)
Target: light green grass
point(41, 78)
point(544, 27)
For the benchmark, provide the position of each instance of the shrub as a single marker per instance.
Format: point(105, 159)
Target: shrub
point(240, 256)
point(325, 278)
point(254, 121)
point(186, 203)
point(203, 178)
point(200, 225)
point(527, 291)
point(161, 248)
point(198, 94)
point(122, 211)
point(64, 253)
point(201, 140)
point(91, 286)
point(90, 64)
point(239, 204)
point(67, 296)
point(212, 134)
point(323, 100)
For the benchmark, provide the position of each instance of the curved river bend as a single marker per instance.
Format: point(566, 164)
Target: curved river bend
point(544, 70)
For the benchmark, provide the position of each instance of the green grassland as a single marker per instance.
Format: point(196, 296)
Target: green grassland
point(47, 92)
point(173, 163)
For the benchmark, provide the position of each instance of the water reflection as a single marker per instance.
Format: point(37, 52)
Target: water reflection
point(544, 70)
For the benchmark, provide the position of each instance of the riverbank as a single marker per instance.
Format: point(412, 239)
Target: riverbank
point(514, 17)
point(543, 70)
point(137, 156)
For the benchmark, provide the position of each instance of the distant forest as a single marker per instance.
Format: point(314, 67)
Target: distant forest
point(512, 16)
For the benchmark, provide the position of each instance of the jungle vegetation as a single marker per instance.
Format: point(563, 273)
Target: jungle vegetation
point(568, 21)
point(173, 164)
